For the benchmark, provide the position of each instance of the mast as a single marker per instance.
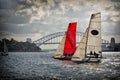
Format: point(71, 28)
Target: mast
point(87, 37)
point(100, 36)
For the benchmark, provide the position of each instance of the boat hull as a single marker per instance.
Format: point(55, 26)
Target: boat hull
point(87, 60)
point(4, 54)
point(63, 57)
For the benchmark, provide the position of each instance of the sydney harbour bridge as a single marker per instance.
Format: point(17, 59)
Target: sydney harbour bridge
point(55, 38)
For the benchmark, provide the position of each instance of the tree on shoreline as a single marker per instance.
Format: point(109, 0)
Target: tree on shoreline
point(15, 46)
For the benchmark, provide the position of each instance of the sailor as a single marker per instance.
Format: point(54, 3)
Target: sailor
point(72, 54)
point(91, 53)
point(95, 54)
point(69, 54)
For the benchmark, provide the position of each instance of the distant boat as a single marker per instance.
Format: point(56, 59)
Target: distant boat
point(67, 45)
point(89, 49)
point(5, 50)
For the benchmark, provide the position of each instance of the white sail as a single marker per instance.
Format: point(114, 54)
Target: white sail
point(94, 35)
point(80, 51)
point(5, 48)
point(91, 40)
point(60, 49)
point(5, 51)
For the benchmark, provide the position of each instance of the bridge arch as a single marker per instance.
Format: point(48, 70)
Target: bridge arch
point(49, 37)
point(44, 39)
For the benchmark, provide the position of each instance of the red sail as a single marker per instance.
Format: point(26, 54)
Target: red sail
point(70, 42)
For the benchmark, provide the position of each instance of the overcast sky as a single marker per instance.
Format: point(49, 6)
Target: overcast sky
point(21, 19)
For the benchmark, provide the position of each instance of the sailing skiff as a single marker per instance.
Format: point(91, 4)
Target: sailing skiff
point(5, 51)
point(67, 45)
point(89, 49)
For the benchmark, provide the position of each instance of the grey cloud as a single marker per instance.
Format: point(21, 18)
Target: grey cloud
point(56, 5)
point(6, 27)
point(111, 31)
point(6, 13)
point(8, 4)
point(110, 28)
point(109, 8)
point(19, 19)
point(117, 29)
point(115, 0)
point(5, 33)
point(108, 19)
point(25, 4)
point(117, 7)
point(18, 29)
point(29, 3)
point(112, 18)
point(9, 16)
point(49, 16)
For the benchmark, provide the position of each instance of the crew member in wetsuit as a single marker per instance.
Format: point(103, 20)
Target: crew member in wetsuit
point(95, 54)
point(91, 53)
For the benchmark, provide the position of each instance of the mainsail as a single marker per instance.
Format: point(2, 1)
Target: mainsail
point(91, 41)
point(70, 42)
point(94, 35)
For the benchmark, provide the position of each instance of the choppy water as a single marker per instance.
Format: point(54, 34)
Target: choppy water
point(41, 66)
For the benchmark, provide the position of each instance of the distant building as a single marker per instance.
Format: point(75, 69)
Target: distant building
point(112, 46)
point(112, 43)
point(29, 40)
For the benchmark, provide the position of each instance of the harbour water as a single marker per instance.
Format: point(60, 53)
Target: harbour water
point(41, 66)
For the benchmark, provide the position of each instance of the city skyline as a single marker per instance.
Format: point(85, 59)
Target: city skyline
point(21, 19)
